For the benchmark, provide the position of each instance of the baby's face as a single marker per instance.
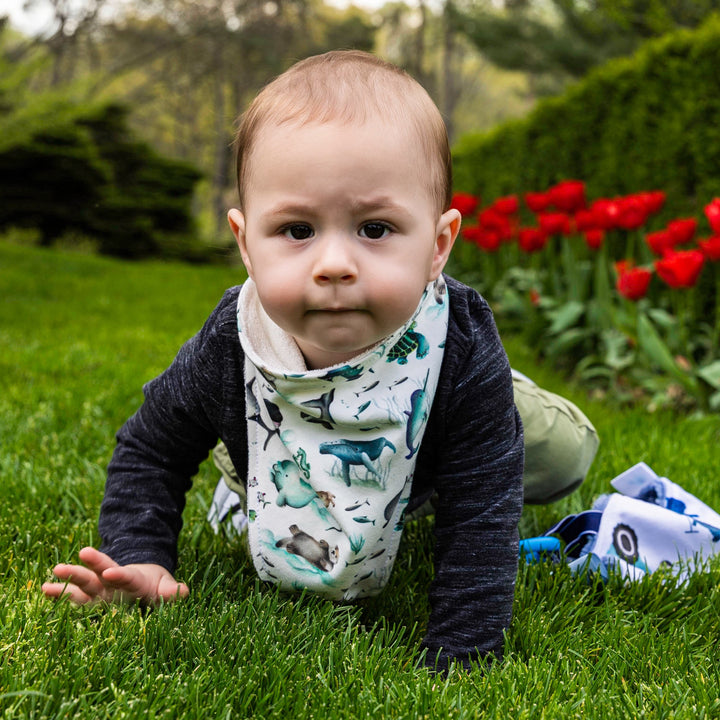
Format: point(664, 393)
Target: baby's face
point(340, 234)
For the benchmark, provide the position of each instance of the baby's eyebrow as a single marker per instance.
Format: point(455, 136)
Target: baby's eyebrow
point(359, 206)
point(379, 204)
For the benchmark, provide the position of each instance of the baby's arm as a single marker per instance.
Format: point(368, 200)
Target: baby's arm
point(101, 579)
point(476, 462)
point(158, 452)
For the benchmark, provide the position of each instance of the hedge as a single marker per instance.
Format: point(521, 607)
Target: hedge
point(650, 121)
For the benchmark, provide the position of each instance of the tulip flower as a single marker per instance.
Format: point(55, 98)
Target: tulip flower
point(491, 219)
point(631, 212)
point(682, 230)
point(531, 239)
point(470, 233)
point(489, 240)
point(622, 266)
point(537, 202)
point(710, 248)
point(594, 238)
point(568, 196)
point(554, 223)
point(633, 283)
point(607, 212)
point(660, 242)
point(680, 269)
point(465, 203)
point(712, 212)
point(508, 205)
point(588, 220)
point(653, 201)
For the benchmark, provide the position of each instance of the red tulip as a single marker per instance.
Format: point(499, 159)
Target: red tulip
point(531, 239)
point(653, 201)
point(594, 238)
point(660, 242)
point(680, 269)
point(489, 240)
point(508, 205)
point(492, 220)
point(568, 195)
point(588, 220)
point(631, 212)
point(633, 283)
point(537, 201)
point(554, 223)
point(622, 266)
point(710, 248)
point(682, 230)
point(712, 211)
point(465, 203)
point(607, 212)
point(471, 233)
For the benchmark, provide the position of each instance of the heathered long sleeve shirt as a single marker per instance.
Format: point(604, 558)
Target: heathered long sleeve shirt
point(471, 457)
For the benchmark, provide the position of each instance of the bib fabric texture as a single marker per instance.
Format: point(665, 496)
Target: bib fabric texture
point(650, 523)
point(332, 452)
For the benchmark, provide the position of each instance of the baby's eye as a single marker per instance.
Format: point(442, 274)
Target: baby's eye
point(374, 230)
point(298, 231)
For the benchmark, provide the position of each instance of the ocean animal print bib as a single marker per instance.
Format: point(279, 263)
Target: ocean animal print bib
point(332, 453)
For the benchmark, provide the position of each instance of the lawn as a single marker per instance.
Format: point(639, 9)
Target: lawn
point(79, 335)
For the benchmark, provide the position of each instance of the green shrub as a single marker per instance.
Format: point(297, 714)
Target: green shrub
point(72, 169)
point(645, 122)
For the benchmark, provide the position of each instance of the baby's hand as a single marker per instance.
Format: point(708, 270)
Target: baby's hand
point(101, 579)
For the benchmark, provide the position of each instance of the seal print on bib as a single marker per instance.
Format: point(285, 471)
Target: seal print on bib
point(332, 452)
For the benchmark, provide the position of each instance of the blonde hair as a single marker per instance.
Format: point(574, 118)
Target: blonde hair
point(349, 86)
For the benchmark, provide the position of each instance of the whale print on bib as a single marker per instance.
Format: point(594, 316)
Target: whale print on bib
point(332, 454)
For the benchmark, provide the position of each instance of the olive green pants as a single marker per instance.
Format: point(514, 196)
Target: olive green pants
point(560, 445)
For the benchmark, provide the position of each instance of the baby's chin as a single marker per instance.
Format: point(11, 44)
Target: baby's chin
point(317, 358)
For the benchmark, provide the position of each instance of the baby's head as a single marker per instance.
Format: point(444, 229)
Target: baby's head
point(351, 87)
point(344, 218)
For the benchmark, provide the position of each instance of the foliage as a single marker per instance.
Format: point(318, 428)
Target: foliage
point(647, 121)
point(72, 167)
point(80, 335)
point(566, 38)
point(550, 265)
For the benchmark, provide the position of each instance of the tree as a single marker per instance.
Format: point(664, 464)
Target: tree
point(563, 40)
point(65, 166)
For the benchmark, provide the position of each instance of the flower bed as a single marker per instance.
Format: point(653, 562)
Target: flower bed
point(627, 306)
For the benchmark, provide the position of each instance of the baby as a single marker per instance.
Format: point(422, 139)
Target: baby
point(348, 378)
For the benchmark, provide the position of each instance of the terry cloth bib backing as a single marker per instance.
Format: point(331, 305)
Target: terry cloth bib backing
point(332, 454)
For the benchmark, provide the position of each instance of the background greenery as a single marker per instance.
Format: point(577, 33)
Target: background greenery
point(80, 335)
point(640, 123)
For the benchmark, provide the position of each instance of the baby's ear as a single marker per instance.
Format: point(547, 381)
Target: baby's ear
point(447, 230)
point(237, 224)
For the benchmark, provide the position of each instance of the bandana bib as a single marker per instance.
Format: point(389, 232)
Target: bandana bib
point(332, 454)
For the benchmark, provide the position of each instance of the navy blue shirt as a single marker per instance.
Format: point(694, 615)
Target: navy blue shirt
point(471, 457)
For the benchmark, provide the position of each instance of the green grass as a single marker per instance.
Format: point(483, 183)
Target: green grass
point(79, 336)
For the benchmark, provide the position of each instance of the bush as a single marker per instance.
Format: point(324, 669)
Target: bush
point(646, 121)
point(68, 168)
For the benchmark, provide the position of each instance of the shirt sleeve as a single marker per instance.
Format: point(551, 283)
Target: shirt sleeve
point(159, 449)
point(477, 465)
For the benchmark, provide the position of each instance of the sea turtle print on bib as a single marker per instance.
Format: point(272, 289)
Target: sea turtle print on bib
point(332, 454)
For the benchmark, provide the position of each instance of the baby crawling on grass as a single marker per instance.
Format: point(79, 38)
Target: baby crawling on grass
point(348, 378)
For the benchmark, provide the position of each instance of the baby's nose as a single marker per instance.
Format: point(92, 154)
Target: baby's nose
point(335, 261)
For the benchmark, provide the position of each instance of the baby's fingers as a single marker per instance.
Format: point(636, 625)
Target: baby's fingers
point(95, 560)
point(80, 578)
point(56, 590)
